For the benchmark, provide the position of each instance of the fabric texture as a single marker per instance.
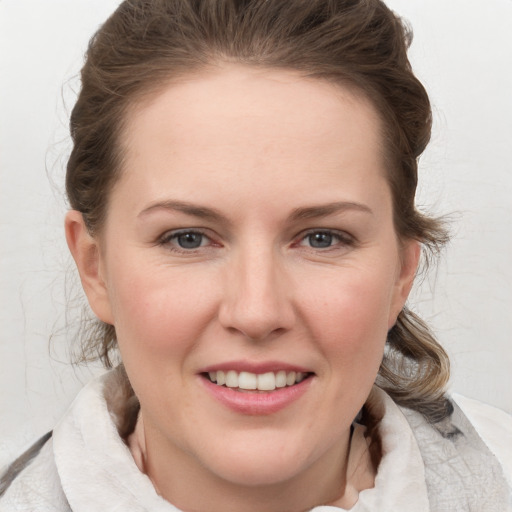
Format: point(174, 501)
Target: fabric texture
point(86, 466)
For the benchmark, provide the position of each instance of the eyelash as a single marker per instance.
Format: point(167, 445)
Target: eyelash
point(341, 238)
point(169, 237)
point(344, 240)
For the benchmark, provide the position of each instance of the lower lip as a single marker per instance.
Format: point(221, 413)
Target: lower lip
point(257, 403)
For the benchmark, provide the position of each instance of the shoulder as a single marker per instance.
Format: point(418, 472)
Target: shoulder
point(462, 472)
point(494, 426)
point(31, 482)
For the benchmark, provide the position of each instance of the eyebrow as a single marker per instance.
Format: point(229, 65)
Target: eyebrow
point(303, 213)
point(191, 209)
point(313, 212)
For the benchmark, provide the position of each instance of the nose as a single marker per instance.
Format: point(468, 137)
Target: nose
point(257, 298)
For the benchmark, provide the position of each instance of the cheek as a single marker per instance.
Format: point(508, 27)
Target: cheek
point(160, 311)
point(350, 317)
point(160, 317)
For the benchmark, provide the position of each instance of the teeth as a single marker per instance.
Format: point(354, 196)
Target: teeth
point(251, 381)
point(267, 381)
point(247, 380)
point(281, 379)
point(232, 379)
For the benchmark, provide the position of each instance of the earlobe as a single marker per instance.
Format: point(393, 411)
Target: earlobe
point(85, 251)
point(410, 257)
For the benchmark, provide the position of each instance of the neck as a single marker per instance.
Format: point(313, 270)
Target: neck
point(192, 487)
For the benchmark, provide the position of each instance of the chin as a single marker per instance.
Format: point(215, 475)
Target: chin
point(263, 472)
point(262, 461)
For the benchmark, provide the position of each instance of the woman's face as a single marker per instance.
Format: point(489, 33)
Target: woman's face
point(250, 238)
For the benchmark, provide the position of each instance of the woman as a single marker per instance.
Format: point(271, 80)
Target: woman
point(242, 218)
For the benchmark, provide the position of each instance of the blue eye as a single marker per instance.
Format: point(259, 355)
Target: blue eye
point(186, 240)
point(189, 240)
point(321, 239)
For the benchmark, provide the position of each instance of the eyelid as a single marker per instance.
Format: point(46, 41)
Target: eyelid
point(172, 233)
point(346, 239)
point(165, 240)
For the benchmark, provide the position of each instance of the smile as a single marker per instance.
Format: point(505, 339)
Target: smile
point(247, 381)
point(257, 388)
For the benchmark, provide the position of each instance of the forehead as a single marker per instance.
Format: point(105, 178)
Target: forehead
point(231, 94)
point(254, 126)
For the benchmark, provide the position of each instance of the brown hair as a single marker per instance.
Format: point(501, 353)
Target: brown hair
point(359, 43)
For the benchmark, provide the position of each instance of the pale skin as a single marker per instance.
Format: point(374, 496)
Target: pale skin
point(281, 182)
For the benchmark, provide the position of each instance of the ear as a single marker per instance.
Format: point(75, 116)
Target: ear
point(86, 253)
point(409, 259)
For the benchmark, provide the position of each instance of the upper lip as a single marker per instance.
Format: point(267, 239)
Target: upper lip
point(254, 367)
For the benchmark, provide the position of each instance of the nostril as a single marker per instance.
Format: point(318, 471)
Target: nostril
point(255, 295)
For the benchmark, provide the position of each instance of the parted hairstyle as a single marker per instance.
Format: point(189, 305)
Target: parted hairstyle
point(362, 44)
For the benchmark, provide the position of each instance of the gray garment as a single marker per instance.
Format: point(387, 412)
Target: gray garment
point(16, 467)
point(30, 492)
point(461, 473)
